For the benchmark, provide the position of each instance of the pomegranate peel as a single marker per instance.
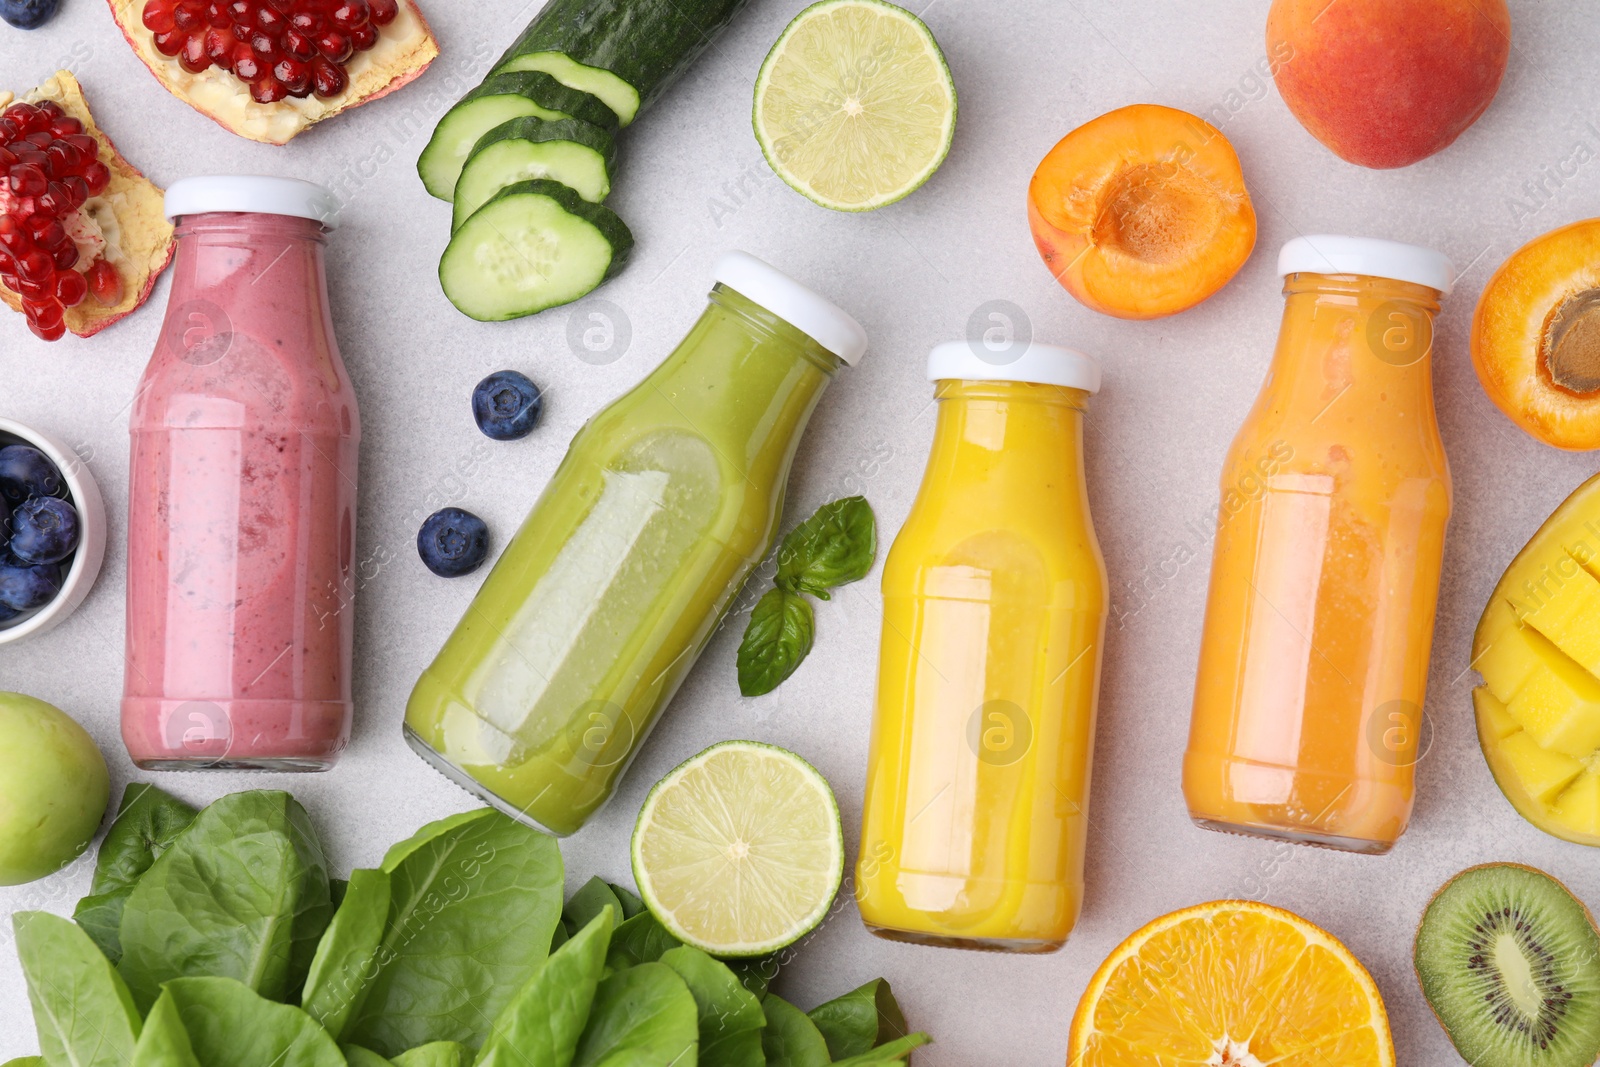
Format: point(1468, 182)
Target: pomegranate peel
point(398, 51)
point(124, 225)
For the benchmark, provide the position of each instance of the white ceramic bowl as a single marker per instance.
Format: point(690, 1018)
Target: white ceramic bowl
point(84, 495)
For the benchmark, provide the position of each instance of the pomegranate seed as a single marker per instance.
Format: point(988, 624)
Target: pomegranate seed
point(299, 46)
point(217, 15)
point(307, 22)
point(98, 175)
point(326, 79)
point(83, 143)
point(157, 16)
point(19, 113)
point(31, 289)
point(9, 131)
point(187, 18)
point(384, 11)
point(7, 158)
point(40, 139)
point(64, 159)
point(66, 126)
point(77, 191)
point(171, 42)
point(335, 47)
point(8, 276)
point(364, 37)
point(45, 231)
point(66, 256)
point(219, 46)
point(266, 48)
point(29, 156)
point(27, 180)
point(245, 63)
point(267, 90)
point(239, 11)
point(50, 109)
point(35, 266)
point(52, 332)
point(269, 21)
point(71, 288)
point(193, 58)
point(57, 200)
point(104, 283)
point(350, 14)
point(295, 76)
point(12, 236)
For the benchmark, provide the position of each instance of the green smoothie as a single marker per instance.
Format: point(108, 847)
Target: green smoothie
point(598, 608)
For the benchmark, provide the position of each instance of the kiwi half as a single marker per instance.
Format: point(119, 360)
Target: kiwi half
point(1510, 963)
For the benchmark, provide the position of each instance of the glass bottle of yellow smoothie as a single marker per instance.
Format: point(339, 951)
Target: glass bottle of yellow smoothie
point(598, 607)
point(1325, 572)
point(994, 607)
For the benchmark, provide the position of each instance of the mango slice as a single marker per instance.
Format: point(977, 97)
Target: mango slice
point(1570, 617)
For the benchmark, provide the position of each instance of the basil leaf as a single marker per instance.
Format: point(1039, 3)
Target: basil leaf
point(860, 1020)
point(230, 1025)
point(790, 1039)
point(338, 981)
point(777, 639)
point(835, 546)
point(147, 822)
point(164, 1042)
point(435, 1054)
point(84, 1013)
point(474, 902)
point(357, 1056)
point(242, 893)
point(589, 902)
point(631, 904)
point(895, 1051)
point(643, 1015)
point(639, 940)
point(730, 1015)
point(543, 1024)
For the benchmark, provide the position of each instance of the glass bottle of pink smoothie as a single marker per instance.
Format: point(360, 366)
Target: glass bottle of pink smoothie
point(242, 494)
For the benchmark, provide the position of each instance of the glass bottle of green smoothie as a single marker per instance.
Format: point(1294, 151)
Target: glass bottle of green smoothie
point(665, 502)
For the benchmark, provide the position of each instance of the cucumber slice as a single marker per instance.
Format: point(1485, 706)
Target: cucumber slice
point(626, 52)
point(501, 98)
point(534, 245)
point(576, 154)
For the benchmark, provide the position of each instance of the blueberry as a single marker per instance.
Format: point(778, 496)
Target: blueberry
point(26, 588)
point(44, 530)
point(507, 405)
point(453, 542)
point(28, 14)
point(26, 472)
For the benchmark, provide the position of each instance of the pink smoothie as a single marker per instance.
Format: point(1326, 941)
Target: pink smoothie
point(241, 529)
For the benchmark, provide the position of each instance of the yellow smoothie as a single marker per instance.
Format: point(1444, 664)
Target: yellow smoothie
point(1325, 573)
point(995, 599)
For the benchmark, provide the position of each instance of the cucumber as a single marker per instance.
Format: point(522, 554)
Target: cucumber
point(575, 153)
point(501, 97)
point(534, 245)
point(626, 52)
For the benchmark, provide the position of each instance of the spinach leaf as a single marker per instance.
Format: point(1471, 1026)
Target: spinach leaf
point(345, 962)
point(147, 822)
point(588, 902)
point(357, 1056)
point(642, 1017)
point(756, 974)
point(835, 546)
point(84, 1013)
point(777, 638)
point(639, 940)
point(790, 1039)
point(860, 1020)
point(435, 1054)
point(543, 1024)
point(730, 1015)
point(164, 1042)
point(231, 1025)
point(896, 1051)
point(474, 900)
point(26, 1061)
point(242, 893)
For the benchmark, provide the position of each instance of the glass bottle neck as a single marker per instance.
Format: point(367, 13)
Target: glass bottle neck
point(1016, 430)
point(1363, 328)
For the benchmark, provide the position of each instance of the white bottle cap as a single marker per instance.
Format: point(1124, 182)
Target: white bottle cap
point(792, 302)
point(1024, 361)
point(255, 195)
point(1370, 256)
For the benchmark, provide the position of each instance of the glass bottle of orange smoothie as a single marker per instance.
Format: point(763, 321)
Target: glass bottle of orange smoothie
point(994, 607)
point(1325, 572)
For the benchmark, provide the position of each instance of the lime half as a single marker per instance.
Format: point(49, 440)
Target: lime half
point(854, 104)
point(739, 851)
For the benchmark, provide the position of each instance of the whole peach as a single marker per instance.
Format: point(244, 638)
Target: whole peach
point(1384, 83)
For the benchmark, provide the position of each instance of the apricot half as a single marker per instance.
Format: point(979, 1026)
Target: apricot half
point(1142, 212)
point(1536, 337)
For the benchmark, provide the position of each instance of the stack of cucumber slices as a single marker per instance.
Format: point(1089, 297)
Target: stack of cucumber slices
point(526, 158)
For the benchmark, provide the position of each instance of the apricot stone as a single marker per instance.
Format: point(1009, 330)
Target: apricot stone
point(1384, 83)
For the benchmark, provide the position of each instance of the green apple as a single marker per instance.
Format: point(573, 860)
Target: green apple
point(53, 789)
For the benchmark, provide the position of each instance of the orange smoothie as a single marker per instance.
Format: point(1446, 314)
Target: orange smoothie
point(1325, 572)
point(993, 621)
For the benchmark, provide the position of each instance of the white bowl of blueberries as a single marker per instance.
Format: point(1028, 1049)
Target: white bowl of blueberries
point(52, 531)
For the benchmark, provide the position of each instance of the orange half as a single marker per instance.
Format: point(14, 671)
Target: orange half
point(1231, 982)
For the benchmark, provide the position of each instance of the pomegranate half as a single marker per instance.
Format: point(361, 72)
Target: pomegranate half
point(82, 233)
point(268, 69)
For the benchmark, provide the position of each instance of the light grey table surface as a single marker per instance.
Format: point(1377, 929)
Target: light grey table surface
point(692, 184)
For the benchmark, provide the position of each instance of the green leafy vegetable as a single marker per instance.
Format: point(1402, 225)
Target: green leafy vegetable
point(642, 1016)
point(26, 1061)
point(543, 1024)
point(861, 1020)
point(790, 1039)
point(164, 1042)
point(364, 1057)
point(776, 640)
point(147, 822)
point(586, 903)
point(474, 901)
point(639, 940)
point(835, 546)
point(435, 1054)
point(242, 893)
point(631, 904)
point(230, 1025)
point(340, 972)
point(83, 1011)
point(894, 1052)
point(730, 1015)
